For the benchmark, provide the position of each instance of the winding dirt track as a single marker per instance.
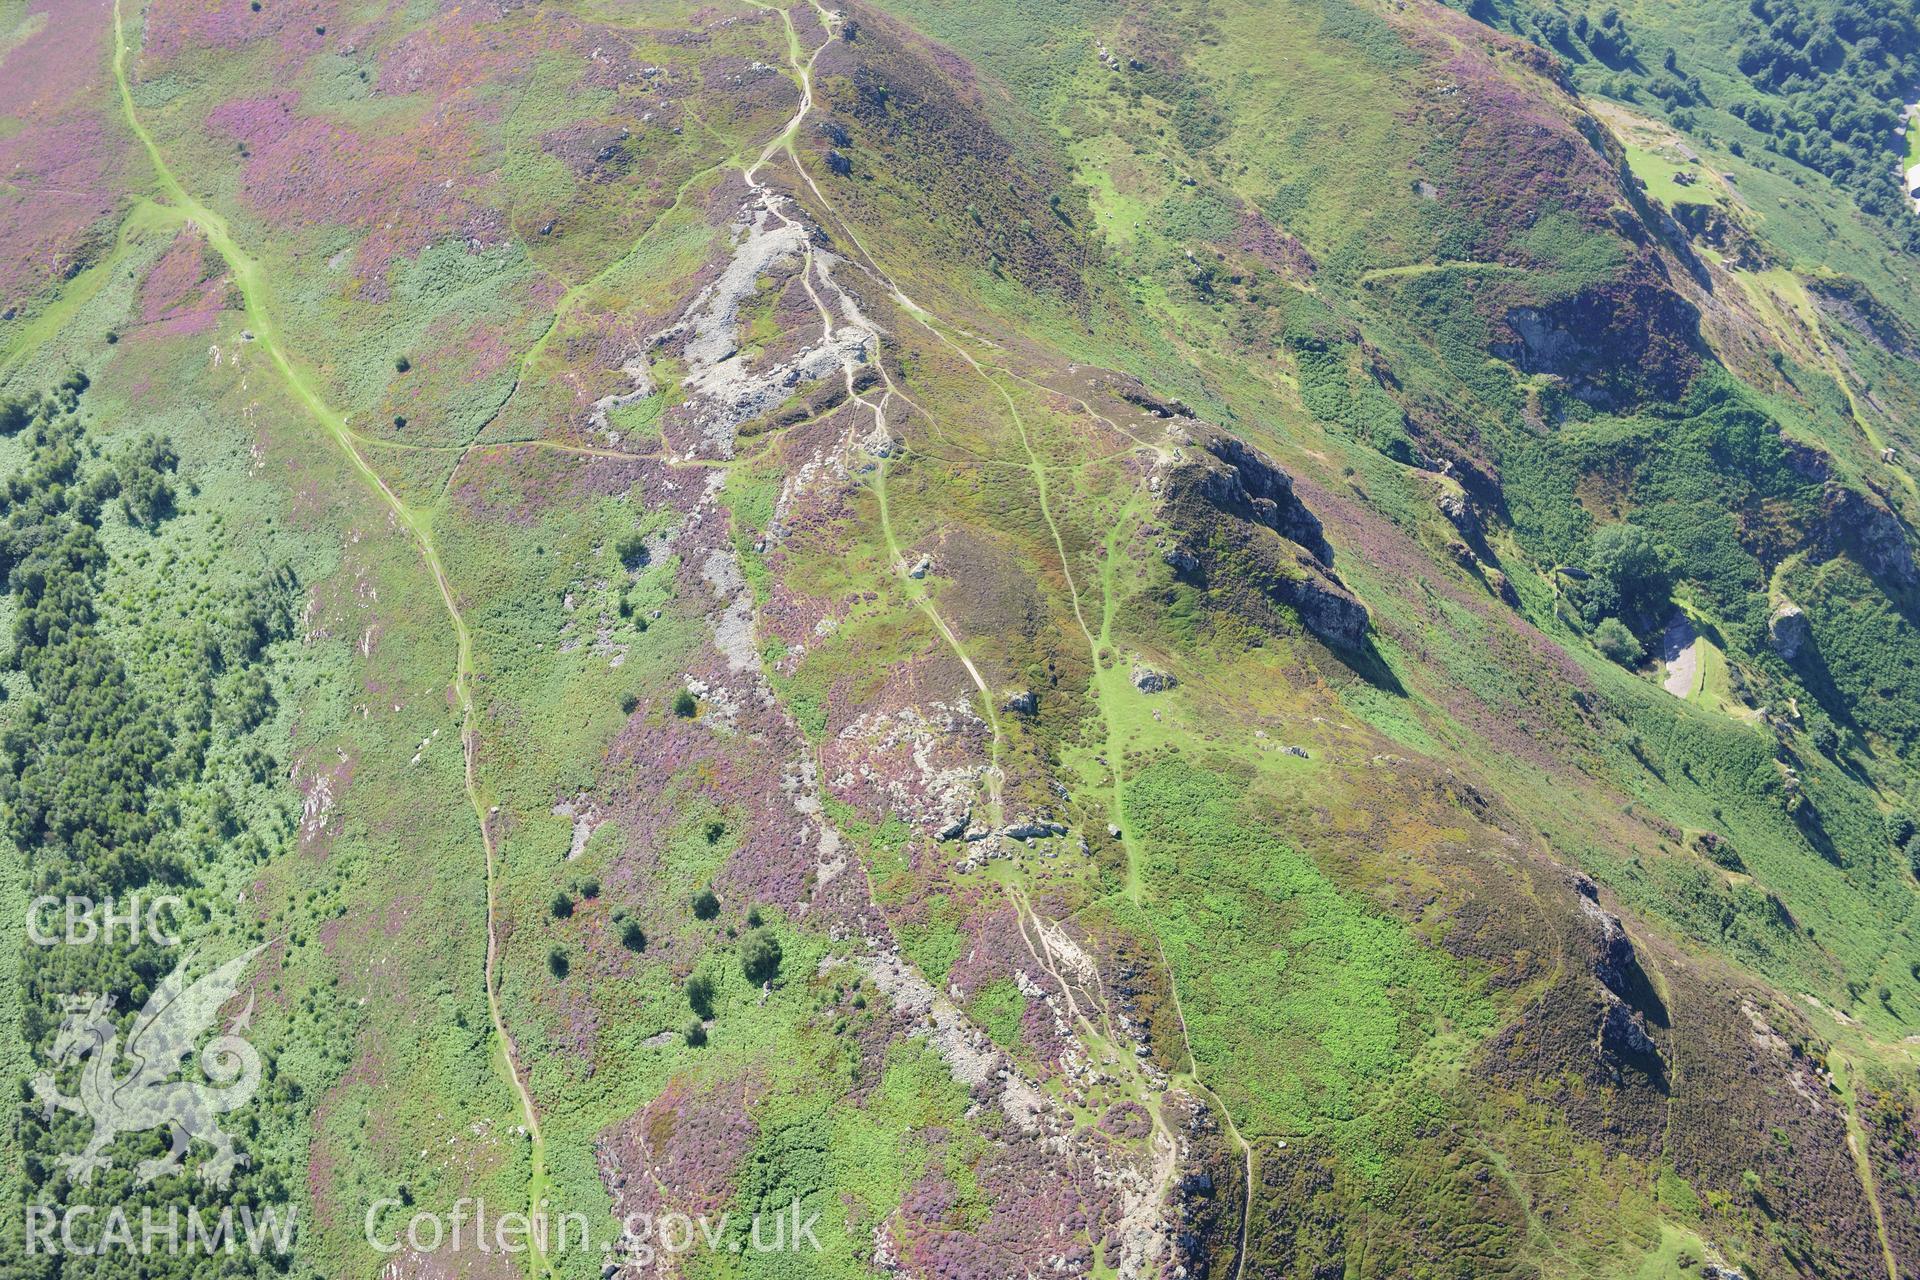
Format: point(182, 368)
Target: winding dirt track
point(184, 209)
point(247, 279)
point(936, 327)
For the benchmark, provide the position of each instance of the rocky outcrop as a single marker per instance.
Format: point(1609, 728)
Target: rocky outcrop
point(1147, 680)
point(1712, 227)
point(727, 385)
point(1805, 460)
point(1460, 514)
point(1469, 550)
point(1854, 305)
point(1622, 1036)
point(1501, 585)
point(1623, 1033)
point(1787, 630)
point(1240, 531)
point(1329, 610)
point(1851, 521)
point(1260, 491)
point(1140, 398)
point(1612, 345)
point(1863, 525)
point(1613, 960)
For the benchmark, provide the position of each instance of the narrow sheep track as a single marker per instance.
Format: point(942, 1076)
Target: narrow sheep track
point(1032, 928)
point(247, 278)
point(182, 208)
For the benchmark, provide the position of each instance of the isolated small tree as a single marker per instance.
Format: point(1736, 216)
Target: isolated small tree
point(1617, 643)
point(705, 905)
point(685, 704)
point(401, 364)
point(557, 962)
point(15, 413)
point(695, 1034)
point(562, 905)
point(700, 995)
point(632, 936)
point(1900, 828)
point(146, 496)
point(632, 550)
point(760, 957)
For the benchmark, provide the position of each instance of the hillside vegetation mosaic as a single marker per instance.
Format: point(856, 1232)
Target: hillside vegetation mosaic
point(845, 639)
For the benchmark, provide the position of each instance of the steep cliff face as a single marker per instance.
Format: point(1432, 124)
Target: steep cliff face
point(1252, 487)
point(1240, 532)
point(1863, 525)
point(1612, 345)
point(1843, 518)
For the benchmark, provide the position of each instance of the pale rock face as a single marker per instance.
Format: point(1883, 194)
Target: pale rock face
point(1787, 631)
point(1147, 680)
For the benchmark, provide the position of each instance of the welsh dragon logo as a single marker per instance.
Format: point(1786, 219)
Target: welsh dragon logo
point(133, 1089)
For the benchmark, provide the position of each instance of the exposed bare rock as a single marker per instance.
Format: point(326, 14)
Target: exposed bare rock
point(1141, 398)
point(1254, 484)
point(725, 385)
point(1787, 630)
point(1855, 306)
point(1241, 532)
point(1329, 610)
point(1614, 963)
point(1712, 227)
point(972, 1058)
point(1623, 1033)
point(1147, 680)
point(1460, 514)
point(1612, 345)
point(1863, 525)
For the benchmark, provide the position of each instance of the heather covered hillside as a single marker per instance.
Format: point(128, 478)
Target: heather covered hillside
point(1221, 638)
